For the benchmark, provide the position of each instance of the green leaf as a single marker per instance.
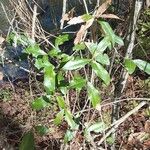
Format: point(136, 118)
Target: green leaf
point(61, 39)
point(25, 39)
point(87, 135)
point(108, 31)
point(60, 76)
point(110, 140)
point(35, 50)
point(60, 80)
point(49, 79)
point(75, 64)
point(86, 17)
point(97, 127)
point(130, 65)
point(103, 59)
point(119, 40)
point(101, 72)
point(27, 142)
point(65, 57)
point(143, 65)
point(78, 47)
point(61, 102)
point(91, 47)
point(39, 103)
point(42, 130)
point(69, 136)
point(42, 62)
point(46, 62)
point(38, 63)
point(93, 95)
point(59, 117)
point(78, 82)
point(63, 90)
point(102, 45)
point(53, 52)
point(20, 39)
point(70, 121)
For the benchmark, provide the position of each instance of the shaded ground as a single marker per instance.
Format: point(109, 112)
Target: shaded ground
point(17, 117)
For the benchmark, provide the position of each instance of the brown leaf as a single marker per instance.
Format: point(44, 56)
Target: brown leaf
point(68, 16)
point(102, 8)
point(1, 76)
point(147, 4)
point(76, 20)
point(147, 126)
point(65, 17)
point(81, 32)
point(1, 49)
point(89, 23)
point(147, 144)
point(110, 16)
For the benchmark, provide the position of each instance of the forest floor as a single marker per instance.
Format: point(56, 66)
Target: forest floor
point(17, 117)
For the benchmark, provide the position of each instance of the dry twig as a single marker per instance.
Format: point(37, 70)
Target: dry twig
point(115, 125)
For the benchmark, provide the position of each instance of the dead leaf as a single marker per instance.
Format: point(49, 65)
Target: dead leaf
point(110, 16)
point(147, 126)
point(139, 136)
point(80, 35)
point(76, 20)
point(68, 16)
point(1, 40)
point(1, 76)
point(102, 8)
point(1, 49)
point(89, 23)
point(147, 4)
point(65, 17)
point(81, 32)
point(139, 140)
point(146, 144)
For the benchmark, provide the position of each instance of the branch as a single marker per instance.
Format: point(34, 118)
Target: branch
point(115, 125)
point(34, 21)
point(63, 13)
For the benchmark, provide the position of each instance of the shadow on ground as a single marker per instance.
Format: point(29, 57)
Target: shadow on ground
point(10, 132)
point(16, 117)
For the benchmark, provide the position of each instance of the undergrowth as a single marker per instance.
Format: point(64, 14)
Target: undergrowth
point(84, 71)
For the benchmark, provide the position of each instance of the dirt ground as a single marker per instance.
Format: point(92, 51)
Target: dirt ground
point(17, 117)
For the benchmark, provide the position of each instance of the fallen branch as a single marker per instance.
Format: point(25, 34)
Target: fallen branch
point(115, 125)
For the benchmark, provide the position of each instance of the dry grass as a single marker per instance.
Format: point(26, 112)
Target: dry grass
point(26, 21)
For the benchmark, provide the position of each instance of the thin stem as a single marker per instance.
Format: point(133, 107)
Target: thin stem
point(63, 13)
point(115, 125)
point(34, 22)
point(86, 8)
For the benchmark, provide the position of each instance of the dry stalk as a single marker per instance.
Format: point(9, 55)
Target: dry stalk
point(34, 21)
point(115, 125)
point(63, 13)
point(28, 23)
